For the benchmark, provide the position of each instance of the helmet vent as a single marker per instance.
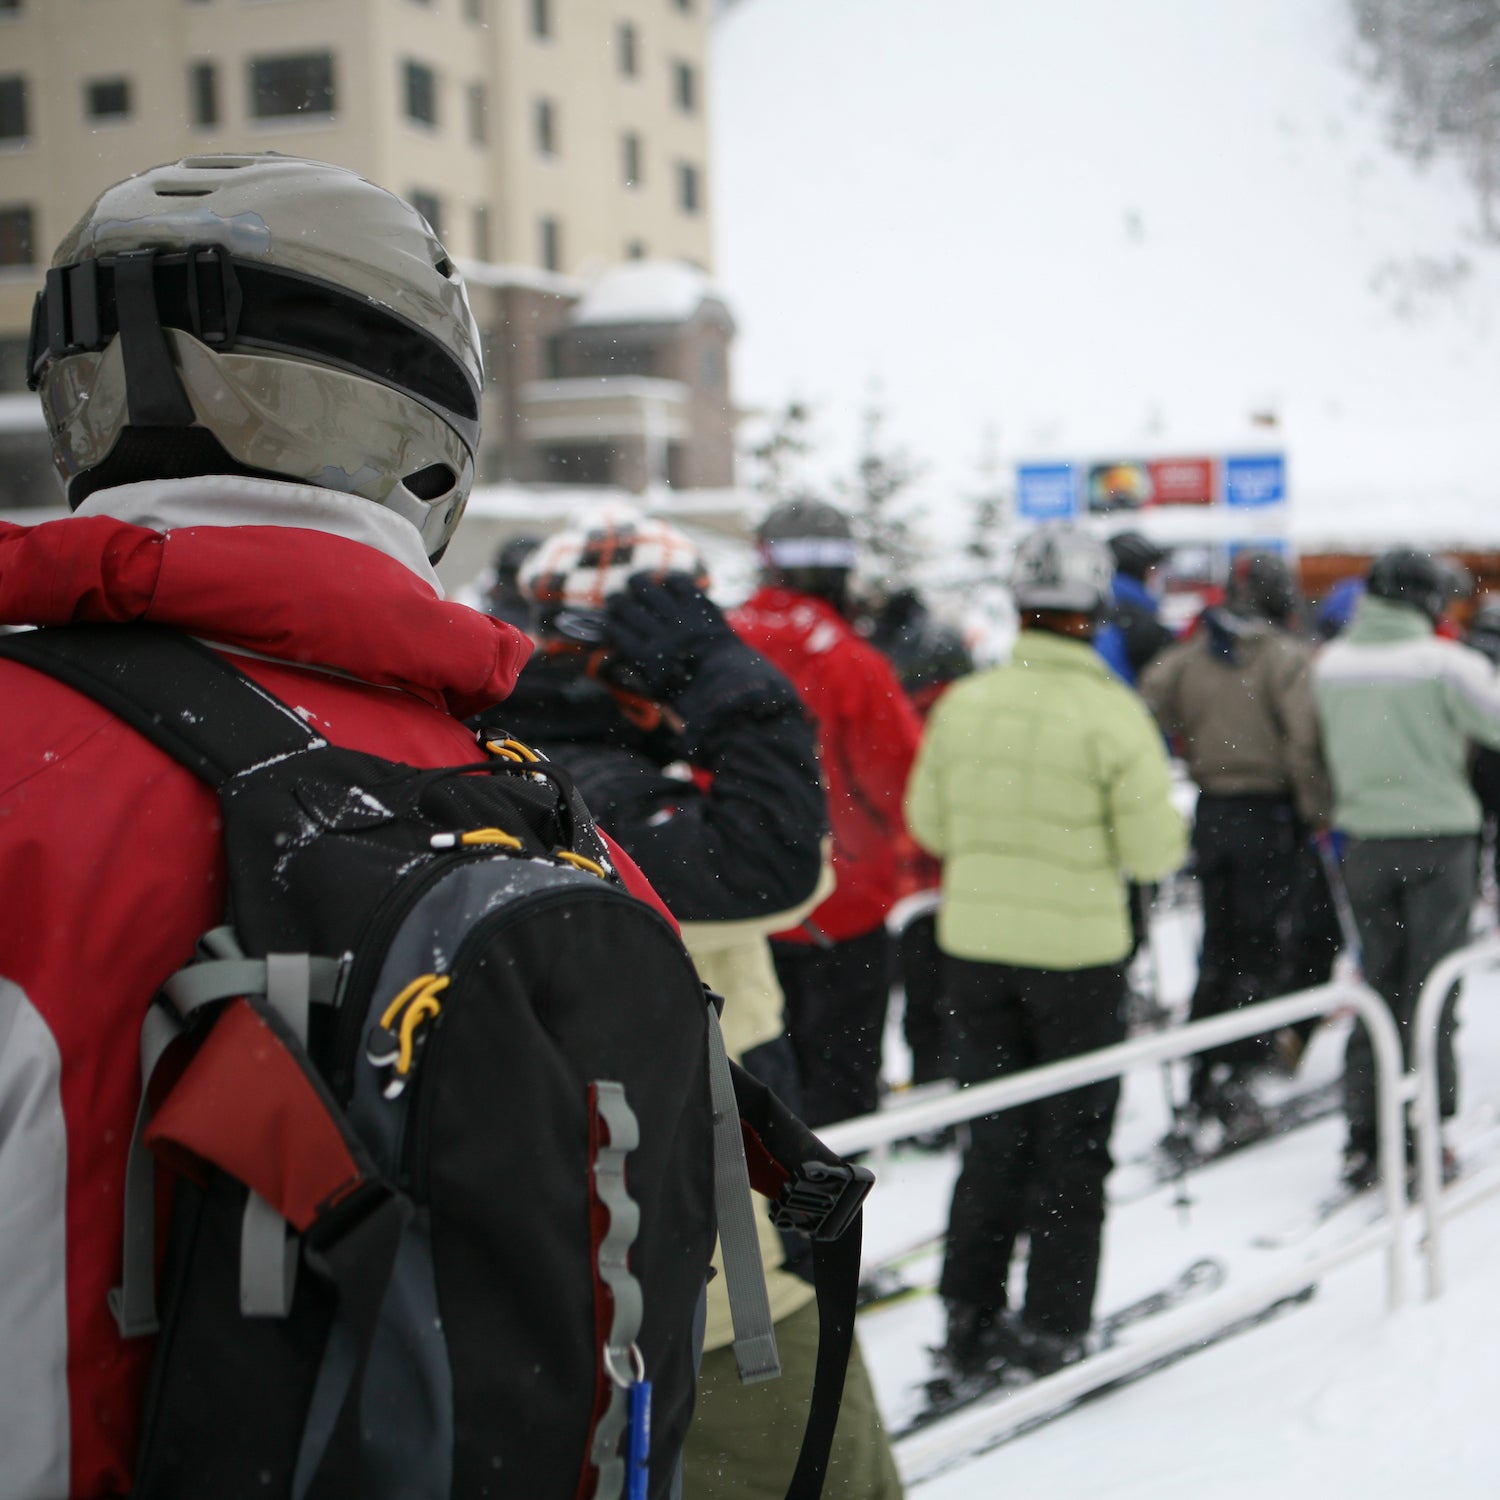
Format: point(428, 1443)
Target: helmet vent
point(444, 267)
point(431, 483)
point(182, 192)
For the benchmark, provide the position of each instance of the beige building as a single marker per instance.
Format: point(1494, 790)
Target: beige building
point(547, 141)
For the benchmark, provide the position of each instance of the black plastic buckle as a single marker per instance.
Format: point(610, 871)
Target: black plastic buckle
point(214, 299)
point(65, 319)
point(822, 1199)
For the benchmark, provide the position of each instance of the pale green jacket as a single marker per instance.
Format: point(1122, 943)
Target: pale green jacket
point(1042, 785)
point(1398, 707)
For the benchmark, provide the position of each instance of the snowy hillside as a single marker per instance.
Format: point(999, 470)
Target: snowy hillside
point(1098, 225)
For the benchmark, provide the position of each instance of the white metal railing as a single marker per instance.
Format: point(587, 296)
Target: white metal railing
point(927, 1451)
point(1426, 1023)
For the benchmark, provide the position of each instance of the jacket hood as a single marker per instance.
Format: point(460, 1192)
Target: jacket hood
point(1130, 590)
point(300, 593)
point(1235, 638)
point(1377, 620)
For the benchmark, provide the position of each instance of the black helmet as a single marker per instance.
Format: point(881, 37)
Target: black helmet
point(1261, 584)
point(1406, 576)
point(1135, 555)
point(808, 545)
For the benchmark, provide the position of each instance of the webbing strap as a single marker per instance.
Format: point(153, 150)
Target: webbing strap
point(621, 1354)
point(744, 1278)
point(268, 1251)
point(185, 698)
point(133, 1302)
point(221, 978)
point(264, 1249)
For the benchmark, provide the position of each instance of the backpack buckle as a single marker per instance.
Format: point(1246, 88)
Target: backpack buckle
point(821, 1199)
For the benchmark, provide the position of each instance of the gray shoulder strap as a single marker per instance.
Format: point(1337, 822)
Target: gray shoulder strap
point(744, 1277)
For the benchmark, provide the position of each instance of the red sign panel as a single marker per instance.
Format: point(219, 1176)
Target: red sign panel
point(1182, 481)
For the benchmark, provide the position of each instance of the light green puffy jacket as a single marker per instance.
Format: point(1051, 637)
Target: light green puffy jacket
point(1042, 785)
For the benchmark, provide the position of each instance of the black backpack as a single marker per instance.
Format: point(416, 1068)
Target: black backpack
point(452, 1131)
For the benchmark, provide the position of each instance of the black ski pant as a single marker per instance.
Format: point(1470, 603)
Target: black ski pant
point(836, 999)
point(919, 963)
point(1412, 899)
point(1245, 853)
point(1038, 1169)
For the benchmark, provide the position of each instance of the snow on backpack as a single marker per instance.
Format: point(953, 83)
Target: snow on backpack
point(452, 1131)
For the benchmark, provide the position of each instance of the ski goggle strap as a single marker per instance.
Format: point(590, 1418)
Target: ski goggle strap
point(227, 302)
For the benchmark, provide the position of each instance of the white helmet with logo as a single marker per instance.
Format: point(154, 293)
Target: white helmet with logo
point(1061, 568)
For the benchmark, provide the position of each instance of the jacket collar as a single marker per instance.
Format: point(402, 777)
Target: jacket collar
point(235, 500)
point(1377, 621)
point(1043, 648)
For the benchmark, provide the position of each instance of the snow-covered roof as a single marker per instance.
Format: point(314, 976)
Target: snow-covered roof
point(646, 291)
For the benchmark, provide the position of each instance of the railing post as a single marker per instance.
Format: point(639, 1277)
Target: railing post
point(1426, 1023)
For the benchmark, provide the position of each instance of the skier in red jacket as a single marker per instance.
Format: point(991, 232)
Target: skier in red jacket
point(269, 453)
point(835, 968)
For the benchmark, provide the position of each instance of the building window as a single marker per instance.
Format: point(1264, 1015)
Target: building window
point(479, 114)
point(300, 84)
point(625, 49)
point(203, 94)
point(107, 98)
point(635, 250)
point(630, 158)
point(13, 108)
point(689, 196)
point(544, 124)
point(479, 231)
point(430, 207)
point(17, 236)
point(421, 93)
point(541, 18)
point(474, 11)
point(550, 246)
point(685, 87)
point(685, 6)
point(10, 7)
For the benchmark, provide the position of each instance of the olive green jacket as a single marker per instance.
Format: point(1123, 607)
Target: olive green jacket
point(1042, 785)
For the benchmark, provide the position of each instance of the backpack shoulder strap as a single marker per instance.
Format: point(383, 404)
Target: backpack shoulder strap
point(184, 697)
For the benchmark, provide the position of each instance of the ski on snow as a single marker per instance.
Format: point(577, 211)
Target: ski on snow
point(947, 1394)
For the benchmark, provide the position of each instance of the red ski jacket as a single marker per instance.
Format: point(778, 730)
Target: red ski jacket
point(867, 738)
point(111, 867)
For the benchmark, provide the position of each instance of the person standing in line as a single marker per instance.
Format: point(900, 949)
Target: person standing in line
point(1238, 697)
point(662, 684)
point(929, 657)
point(835, 968)
point(1134, 634)
point(1399, 706)
point(1043, 786)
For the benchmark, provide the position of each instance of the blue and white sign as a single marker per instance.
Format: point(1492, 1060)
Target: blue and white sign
point(1254, 481)
point(1046, 492)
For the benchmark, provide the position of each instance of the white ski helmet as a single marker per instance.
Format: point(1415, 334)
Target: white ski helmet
point(1061, 568)
point(261, 314)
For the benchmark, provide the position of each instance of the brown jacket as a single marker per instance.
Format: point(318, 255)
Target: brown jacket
point(1239, 697)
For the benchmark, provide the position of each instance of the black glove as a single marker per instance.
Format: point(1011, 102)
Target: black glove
point(664, 628)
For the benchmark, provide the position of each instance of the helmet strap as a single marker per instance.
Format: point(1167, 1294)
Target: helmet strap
point(153, 390)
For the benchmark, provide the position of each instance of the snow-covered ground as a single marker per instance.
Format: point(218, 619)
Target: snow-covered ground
point(1333, 1397)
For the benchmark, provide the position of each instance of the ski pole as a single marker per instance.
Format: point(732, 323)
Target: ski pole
point(1180, 1199)
point(1333, 870)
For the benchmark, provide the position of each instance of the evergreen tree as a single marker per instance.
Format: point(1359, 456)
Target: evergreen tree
point(879, 508)
point(780, 456)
